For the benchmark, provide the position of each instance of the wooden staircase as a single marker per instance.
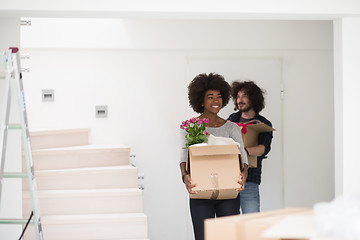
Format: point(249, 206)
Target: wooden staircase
point(86, 192)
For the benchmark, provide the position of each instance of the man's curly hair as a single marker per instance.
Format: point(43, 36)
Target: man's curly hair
point(254, 93)
point(202, 83)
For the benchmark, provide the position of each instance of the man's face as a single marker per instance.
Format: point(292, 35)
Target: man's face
point(243, 101)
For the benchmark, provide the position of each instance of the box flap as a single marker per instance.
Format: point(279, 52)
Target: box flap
point(214, 150)
point(260, 127)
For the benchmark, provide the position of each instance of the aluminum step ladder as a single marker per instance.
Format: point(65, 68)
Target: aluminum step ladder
point(13, 79)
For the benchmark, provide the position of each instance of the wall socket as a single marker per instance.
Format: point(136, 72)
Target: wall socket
point(48, 95)
point(101, 111)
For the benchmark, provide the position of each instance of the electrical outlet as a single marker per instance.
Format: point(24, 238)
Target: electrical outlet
point(48, 95)
point(101, 111)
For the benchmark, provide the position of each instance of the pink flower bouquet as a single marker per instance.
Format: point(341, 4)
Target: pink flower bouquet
point(195, 127)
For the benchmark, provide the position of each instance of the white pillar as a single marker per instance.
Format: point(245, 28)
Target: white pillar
point(347, 101)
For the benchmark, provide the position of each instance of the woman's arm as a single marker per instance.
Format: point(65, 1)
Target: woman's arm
point(242, 178)
point(237, 136)
point(235, 133)
point(186, 178)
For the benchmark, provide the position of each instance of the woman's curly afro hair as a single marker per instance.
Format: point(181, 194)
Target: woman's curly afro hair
point(202, 83)
point(254, 93)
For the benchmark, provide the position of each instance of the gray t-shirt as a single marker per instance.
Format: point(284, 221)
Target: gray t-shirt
point(229, 129)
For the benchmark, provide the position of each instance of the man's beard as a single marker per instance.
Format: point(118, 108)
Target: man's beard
point(245, 109)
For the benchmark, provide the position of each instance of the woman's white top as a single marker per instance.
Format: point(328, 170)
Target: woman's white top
point(229, 130)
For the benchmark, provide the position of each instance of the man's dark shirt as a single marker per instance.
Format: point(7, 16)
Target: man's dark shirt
point(254, 174)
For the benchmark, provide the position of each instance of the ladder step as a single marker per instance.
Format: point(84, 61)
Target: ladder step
point(12, 126)
point(15, 175)
point(15, 221)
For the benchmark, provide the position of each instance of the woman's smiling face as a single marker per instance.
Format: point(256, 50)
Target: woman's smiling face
point(212, 101)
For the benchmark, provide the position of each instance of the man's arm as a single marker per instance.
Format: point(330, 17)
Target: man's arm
point(256, 151)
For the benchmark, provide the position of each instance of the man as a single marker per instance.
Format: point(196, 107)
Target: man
point(249, 100)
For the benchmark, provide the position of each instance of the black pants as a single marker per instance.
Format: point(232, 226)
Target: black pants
point(202, 209)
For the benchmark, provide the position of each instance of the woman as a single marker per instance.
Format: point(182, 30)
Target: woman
point(207, 95)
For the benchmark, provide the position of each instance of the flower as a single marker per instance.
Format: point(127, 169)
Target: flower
point(195, 127)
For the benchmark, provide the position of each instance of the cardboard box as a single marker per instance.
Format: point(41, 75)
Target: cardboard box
point(256, 227)
point(215, 170)
point(247, 226)
point(250, 138)
point(293, 227)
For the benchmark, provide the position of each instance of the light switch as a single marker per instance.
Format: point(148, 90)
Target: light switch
point(101, 111)
point(48, 95)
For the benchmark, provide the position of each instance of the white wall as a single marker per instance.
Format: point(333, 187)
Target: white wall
point(10, 202)
point(142, 76)
point(346, 80)
point(308, 128)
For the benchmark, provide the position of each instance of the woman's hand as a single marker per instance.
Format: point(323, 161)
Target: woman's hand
point(242, 179)
point(188, 183)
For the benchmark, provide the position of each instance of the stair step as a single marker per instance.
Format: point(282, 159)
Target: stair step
point(86, 192)
point(86, 178)
point(81, 157)
point(93, 227)
point(91, 201)
point(59, 138)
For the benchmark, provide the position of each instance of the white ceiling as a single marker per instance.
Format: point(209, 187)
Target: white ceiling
point(184, 9)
